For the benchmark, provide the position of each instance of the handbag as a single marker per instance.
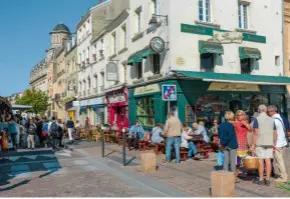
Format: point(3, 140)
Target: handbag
point(43, 134)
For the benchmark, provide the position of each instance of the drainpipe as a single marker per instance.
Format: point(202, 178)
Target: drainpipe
point(283, 44)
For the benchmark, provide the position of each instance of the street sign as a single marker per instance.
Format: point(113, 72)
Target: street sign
point(169, 92)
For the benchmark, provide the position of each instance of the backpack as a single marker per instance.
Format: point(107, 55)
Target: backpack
point(54, 129)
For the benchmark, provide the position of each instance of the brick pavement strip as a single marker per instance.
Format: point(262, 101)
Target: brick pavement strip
point(196, 174)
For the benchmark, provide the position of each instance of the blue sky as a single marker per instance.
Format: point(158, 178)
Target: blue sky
point(24, 35)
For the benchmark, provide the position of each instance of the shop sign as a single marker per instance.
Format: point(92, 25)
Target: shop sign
point(157, 44)
point(116, 98)
point(92, 101)
point(227, 37)
point(254, 38)
point(180, 61)
point(153, 88)
point(220, 86)
point(76, 103)
point(112, 71)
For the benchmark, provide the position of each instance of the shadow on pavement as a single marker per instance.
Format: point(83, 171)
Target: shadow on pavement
point(22, 164)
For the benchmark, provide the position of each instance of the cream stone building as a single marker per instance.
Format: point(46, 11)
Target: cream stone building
point(56, 69)
point(38, 76)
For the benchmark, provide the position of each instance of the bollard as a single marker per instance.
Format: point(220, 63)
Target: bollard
point(124, 146)
point(103, 142)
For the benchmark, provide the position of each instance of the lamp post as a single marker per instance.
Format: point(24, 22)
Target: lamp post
point(103, 142)
point(124, 146)
point(153, 21)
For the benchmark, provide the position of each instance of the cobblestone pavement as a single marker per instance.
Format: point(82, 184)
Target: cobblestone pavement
point(192, 177)
point(66, 173)
point(82, 172)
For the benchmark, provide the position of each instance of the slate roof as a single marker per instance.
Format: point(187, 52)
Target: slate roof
point(61, 28)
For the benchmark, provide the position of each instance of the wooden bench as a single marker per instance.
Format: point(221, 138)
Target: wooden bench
point(159, 148)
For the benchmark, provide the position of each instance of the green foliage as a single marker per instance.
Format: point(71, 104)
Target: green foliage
point(37, 99)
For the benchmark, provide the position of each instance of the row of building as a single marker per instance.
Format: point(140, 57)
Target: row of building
point(230, 54)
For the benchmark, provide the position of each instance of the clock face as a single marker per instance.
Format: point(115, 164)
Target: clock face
point(157, 44)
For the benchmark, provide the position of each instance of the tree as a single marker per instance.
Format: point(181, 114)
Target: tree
point(37, 99)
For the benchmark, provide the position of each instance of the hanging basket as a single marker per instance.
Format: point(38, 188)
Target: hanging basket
point(251, 163)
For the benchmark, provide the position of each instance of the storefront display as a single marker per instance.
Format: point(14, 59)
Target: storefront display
point(118, 108)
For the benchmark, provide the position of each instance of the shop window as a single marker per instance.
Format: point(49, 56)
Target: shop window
point(209, 107)
point(207, 62)
point(145, 111)
point(190, 114)
point(246, 66)
point(139, 70)
point(156, 63)
point(251, 103)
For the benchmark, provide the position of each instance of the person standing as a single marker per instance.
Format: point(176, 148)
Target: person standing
point(263, 143)
point(31, 134)
point(228, 141)
point(242, 128)
point(53, 131)
point(38, 123)
point(70, 128)
point(60, 132)
point(12, 129)
point(279, 151)
point(45, 133)
point(172, 131)
point(135, 134)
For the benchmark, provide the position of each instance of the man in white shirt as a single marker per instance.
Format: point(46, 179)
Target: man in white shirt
point(279, 163)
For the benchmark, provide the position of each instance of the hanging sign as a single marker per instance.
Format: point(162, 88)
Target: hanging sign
point(112, 71)
point(157, 44)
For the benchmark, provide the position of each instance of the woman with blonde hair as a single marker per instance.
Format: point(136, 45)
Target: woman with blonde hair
point(242, 128)
point(228, 141)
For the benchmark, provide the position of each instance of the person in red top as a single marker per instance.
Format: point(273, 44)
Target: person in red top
point(87, 123)
point(242, 128)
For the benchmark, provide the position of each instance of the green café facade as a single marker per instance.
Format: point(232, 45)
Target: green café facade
point(205, 96)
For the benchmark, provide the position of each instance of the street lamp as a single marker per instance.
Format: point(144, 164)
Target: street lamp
point(153, 21)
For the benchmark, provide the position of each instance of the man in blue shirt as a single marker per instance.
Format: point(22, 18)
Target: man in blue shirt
point(135, 134)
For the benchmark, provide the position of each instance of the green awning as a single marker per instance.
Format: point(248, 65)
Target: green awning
point(235, 78)
point(134, 59)
point(210, 47)
point(139, 55)
point(246, 52)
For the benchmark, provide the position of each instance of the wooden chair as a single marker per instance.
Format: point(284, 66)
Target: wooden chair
point(183, 153)
point(159, 148)
point(204, 150)
point(142, 145)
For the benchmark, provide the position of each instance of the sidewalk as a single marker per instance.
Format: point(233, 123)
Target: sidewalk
point(191, 177)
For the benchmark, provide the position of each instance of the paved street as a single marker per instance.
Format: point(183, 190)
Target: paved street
point(82, 172)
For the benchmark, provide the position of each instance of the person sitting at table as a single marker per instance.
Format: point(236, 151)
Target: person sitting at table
point(186, 143)
point(157, 133)
point(200, 130)
point(135, 134)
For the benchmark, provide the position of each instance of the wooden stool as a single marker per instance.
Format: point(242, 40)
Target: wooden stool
point(183, 153)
